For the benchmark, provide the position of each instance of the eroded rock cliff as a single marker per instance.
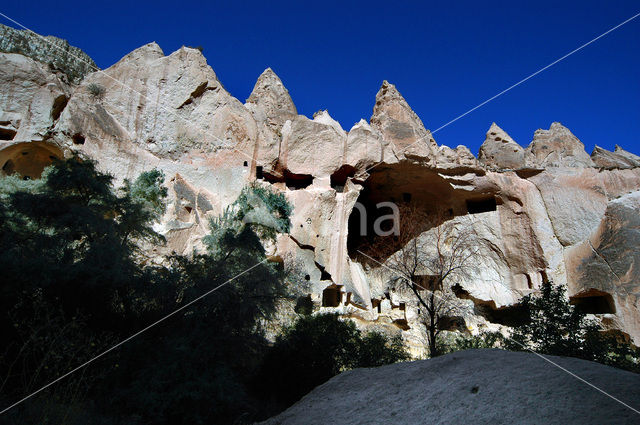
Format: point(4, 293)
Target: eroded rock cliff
point(545, 212)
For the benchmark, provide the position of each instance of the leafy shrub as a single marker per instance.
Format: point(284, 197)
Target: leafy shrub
point(96, 90)
point(554, 326)
point(456, 342)
point(315, 349)
point(376, 349)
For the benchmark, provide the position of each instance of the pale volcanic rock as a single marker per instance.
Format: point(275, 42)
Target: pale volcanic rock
point(458, 158)
point(401, 127)
point(31, 98)
point(319, 223)
point(271, 107)
point(632, 158)
point(557, 147)
point(609, 261)
point(272, 97)
point(312, 147)
point(539, 205)
point(499, 151)
point(575, 200)
point(620, 159)
point(171, 104)
point(527, 237)
point(365, 149)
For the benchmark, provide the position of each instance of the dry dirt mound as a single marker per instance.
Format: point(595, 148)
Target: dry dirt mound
point(474, 386)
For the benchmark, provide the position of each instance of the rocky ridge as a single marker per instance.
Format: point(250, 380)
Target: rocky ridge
point(545, 212)
point(52, 51)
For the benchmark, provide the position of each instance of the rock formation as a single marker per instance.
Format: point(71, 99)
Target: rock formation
point(485, 386)
point(546, 212)
point(557, 147)
point(56, 53)
point(499, 151)
point(619, 159)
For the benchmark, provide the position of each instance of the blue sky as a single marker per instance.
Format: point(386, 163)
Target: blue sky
point(444, 57)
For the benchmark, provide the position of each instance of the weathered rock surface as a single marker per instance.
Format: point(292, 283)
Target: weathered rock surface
point(500, 151)
point(400, 126)
point(557, 147)
point(34, 104)
point(272, 98)
point(485, 386)
point(621, 159)
point(535, 210)
point(53, 52)
point(608, 262)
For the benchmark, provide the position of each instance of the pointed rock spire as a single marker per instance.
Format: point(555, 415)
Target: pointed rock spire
point(323, 117)
point(634, 159)
point(399, 125)
point(148, 52)
point(621, 159)
point(557, 147)
point(500, 151)
point(272, 98)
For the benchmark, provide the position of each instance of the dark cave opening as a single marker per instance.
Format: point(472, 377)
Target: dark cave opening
point(332, 296)
point(291, 180)
point(594, 301)
point(452, 323)
point(78, 139)
point(7, 133)
point(512, 315)
point(477, 206)
point(59, 104)
point(410, 188)
point(339, 177)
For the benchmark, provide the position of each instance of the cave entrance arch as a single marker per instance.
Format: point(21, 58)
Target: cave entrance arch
point(28, 159)
point(411, 186)
point(593, 301)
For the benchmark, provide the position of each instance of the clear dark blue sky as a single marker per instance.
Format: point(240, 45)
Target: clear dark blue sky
point(444, 57)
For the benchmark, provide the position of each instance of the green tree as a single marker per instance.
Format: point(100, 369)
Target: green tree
point(315, 349)
point(70, 280)
point(195, 368)
point(74, 282)
point(553, 326)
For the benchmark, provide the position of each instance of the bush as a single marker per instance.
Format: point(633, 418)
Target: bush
point(315, 349)
point(554, 326)
point(74, 284)
point(455, 342)
point(96, 90)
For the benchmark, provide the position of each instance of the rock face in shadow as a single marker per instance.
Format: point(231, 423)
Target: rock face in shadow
point(490, 386)
point(534, 208)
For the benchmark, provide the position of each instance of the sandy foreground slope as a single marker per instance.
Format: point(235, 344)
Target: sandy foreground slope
point(474, 386)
